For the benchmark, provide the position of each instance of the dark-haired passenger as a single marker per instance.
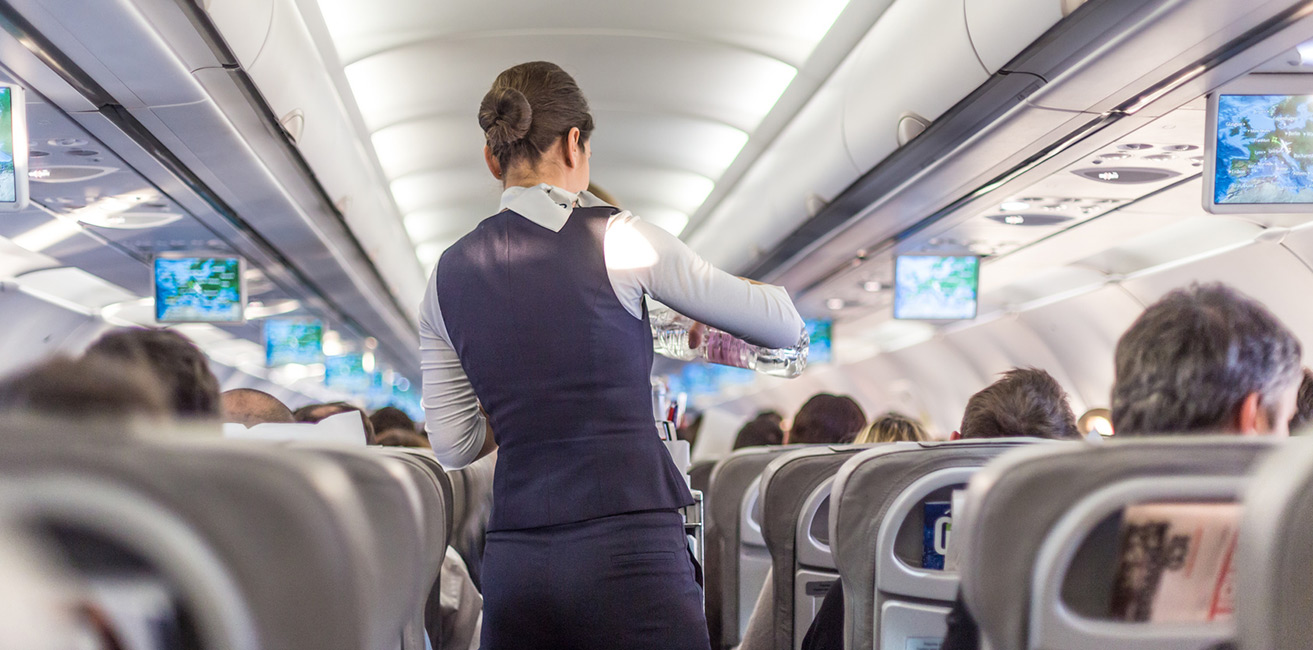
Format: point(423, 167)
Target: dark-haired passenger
point(181, 368)
point(1303, 403)
point(249, 407)
point(826, 419)
point(315, 413)
point(1024, 403)
point(1206, 359)
point(760, 431)
point(1202, 360)
point(391, 417)
point(86, 389)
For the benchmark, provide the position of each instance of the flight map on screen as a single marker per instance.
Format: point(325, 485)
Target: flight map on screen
point(8, 180)
point(204, 289)
point(821, 333)
point(936, 287)
point(293, 340)
point(1264, 149)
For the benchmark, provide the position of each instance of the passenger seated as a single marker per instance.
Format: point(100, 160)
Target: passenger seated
point(1024, 402)
point(760, 431)
point(826, 419)
point(85, 389)
point(1303, 403)
point(181, 367)
point(249, 407)
point(1206, 359)
point(391, 417)
point(313, 413)
point(395, 437)
point(893, 427)
point(1202, 360)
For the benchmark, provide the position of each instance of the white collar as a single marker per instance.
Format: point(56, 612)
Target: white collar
point(546, 205)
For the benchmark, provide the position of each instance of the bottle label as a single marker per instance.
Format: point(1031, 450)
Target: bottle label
point(727, 350)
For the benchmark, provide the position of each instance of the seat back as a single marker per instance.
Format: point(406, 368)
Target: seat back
point(1042, 525)
point(877, 518)
point(736, 556)
point(267, 546)
point(796, 501)
point(699, 475)
point(402, 571)
point(436, 516)
point(1274, 555)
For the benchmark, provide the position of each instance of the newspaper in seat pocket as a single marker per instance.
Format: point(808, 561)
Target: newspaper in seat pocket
point(1175, 562)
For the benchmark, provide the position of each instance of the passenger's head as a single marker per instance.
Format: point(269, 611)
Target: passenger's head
point(181, 367)
point(85, 389)
point(893, 427)
point(535, 115)
point(1303, 403)
point(826, 419)
point(391, 417)
point(1025, 402)
point(402, 438)
point(761, 431)
point(314, 413)
point(1205, 359)
point(249, 407)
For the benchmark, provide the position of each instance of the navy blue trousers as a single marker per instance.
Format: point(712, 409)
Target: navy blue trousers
point(624, 582)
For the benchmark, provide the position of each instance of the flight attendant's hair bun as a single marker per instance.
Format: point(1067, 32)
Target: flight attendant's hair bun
point(505, 116)
point(530, 107)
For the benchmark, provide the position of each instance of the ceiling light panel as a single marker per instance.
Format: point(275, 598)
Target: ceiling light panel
point(678, 190)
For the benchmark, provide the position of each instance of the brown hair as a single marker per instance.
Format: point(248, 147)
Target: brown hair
point(893, 427)
point(529, 108)
point(182, 369)
point(1025, 402)
point(827, 419)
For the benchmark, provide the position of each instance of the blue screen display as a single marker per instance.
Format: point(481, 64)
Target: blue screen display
point(936, 287)
point(293, 340)
point(347, 374)
point(820, 349)
point(198, 289)
point(1264, 150)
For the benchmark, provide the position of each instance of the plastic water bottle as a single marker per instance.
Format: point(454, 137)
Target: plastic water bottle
point(670, 331)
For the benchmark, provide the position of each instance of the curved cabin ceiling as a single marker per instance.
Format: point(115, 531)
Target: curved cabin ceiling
point(677, 89)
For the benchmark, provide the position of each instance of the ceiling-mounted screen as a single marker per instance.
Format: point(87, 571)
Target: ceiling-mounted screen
point(1259, 145)
point(199, 289)
point(293, 340)
point(347, 373)
point(13, 149)
point(936, 287)
point(821, 333)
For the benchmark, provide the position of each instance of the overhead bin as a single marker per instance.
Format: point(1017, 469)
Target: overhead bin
point(917, 60)
point(1001, 29)
point(245, 25)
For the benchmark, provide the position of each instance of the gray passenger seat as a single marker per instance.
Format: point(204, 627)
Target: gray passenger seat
point(736, 556)
point(268, 548)
point(877, 526)
point(796, 504)
point(1041, 532)
point(1274, 558)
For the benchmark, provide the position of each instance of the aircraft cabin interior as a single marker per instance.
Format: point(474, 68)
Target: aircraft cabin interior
point(1049, 262)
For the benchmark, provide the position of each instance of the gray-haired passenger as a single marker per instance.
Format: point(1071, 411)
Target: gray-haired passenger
point(1206, 359)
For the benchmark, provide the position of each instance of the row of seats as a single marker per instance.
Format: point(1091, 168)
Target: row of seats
point(1039, 530)
point(251, 545)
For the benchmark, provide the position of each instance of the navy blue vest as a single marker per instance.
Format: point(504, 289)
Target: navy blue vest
point(562, 370)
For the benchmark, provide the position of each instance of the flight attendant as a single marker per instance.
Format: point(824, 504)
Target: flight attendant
point(534, 328)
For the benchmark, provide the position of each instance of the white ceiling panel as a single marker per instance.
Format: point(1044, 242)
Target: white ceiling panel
point(784, 29)
point(708, 80)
